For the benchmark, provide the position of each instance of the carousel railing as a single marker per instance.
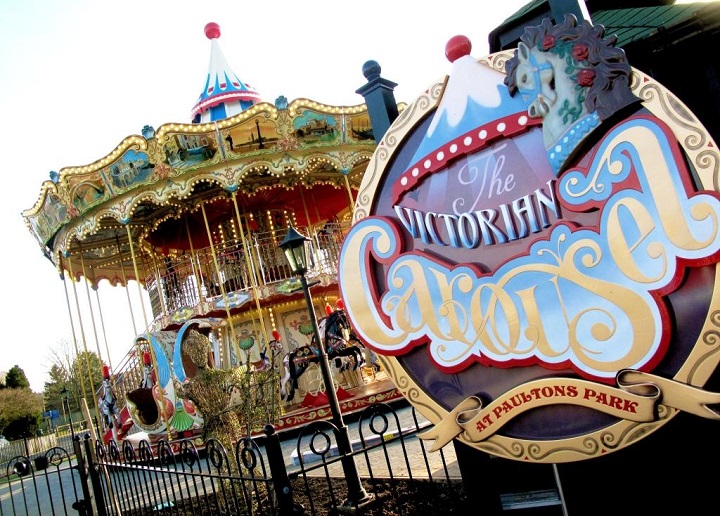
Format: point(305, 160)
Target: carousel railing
point(185, 281)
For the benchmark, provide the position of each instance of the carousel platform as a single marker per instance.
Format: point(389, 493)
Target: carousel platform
point(355, 394)
point(352, 399)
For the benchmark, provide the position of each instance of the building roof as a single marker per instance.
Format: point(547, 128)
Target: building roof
point(631, 21)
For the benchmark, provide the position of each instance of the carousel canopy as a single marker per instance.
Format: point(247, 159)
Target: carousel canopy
point(175, 187)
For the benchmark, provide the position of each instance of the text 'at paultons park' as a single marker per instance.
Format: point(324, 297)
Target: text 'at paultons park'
point(537, 249)
point(193, 214)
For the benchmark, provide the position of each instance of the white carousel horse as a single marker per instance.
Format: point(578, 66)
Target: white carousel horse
point(108, 403)
point(572, 78)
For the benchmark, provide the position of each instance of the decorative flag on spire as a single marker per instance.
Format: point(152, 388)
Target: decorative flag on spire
point(224, 95)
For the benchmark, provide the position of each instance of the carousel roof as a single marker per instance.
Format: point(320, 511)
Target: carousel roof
point(159, 190)
point(224, 95)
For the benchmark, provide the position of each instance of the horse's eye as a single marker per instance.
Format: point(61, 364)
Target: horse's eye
point(523, 78)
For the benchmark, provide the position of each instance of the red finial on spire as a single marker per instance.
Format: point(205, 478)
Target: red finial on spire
point(106, 371)
point(457, 47)
point(212, 30)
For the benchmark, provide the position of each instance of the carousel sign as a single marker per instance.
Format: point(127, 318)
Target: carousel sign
point(534, 251)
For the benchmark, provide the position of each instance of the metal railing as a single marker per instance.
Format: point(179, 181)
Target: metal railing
point(293, 473)
point(186, 281)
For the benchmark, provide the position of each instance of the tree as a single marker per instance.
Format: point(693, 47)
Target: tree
point(16, 378)
point(80, 373)
point(20, 412)
point(86, 377)
point(52, 393)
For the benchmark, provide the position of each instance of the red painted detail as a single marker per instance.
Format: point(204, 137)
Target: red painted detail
point(468, 143)
point(106, 371)
point(212, 30)
point(457, 47)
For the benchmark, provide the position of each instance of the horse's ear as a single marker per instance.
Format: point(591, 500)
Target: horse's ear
point(523, 50)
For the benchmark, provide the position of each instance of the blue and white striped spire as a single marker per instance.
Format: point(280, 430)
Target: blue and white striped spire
point(224, 95)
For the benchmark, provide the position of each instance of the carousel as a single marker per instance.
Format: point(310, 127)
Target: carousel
point(192, 215)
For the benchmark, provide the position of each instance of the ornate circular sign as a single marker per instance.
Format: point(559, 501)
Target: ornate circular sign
point(534, 251)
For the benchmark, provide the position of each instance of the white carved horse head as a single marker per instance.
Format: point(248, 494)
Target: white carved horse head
point(572, 77)
point(548, 92)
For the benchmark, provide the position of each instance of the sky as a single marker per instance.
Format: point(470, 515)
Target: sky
point(77, 77)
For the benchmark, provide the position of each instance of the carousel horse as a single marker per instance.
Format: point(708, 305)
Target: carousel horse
point(344, 350)
point(571, 78)
point(108, 402)
point(267, 361)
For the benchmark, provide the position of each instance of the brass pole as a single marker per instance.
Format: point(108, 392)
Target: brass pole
point(350, 195)
point(74, 334)
point(82, 335)
point(222, 286)
point(147, 325)
point(125, 283)
point(194, 265)
point(158, 282)
point(253, 273)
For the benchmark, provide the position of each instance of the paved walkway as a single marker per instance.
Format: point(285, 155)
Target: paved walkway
point(382, 460)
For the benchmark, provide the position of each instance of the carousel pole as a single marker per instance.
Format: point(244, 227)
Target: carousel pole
point(102, 325)
point(89, 301)
point(233, 338)
point(198, 279)
point(98, 414)
point(158, 276)
point(72, 327)
point(345, 172)
point(253, 275)
point(147, 324)
point(127, 292)
point(84, 341)
point(305, 208)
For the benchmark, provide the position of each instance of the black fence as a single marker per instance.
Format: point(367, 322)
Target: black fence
point(296, 472)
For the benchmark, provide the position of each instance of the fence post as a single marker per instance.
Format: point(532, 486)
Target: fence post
point(98, 497)
point(280, 479)
point(84, 505)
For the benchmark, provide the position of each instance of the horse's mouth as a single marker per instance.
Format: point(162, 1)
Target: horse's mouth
point(540, 108)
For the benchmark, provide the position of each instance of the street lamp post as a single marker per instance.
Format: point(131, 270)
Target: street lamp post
point(64, 392)
point(295, 246)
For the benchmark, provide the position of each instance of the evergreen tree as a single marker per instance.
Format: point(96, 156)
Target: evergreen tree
point(52, 393)
point(16, 378)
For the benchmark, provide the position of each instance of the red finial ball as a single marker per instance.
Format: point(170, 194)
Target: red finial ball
point(147, 360)
point(276, 335)
point(457, 47)
point(106, 371)
point(212, 30)
point(341, 304)
point(328, 309)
